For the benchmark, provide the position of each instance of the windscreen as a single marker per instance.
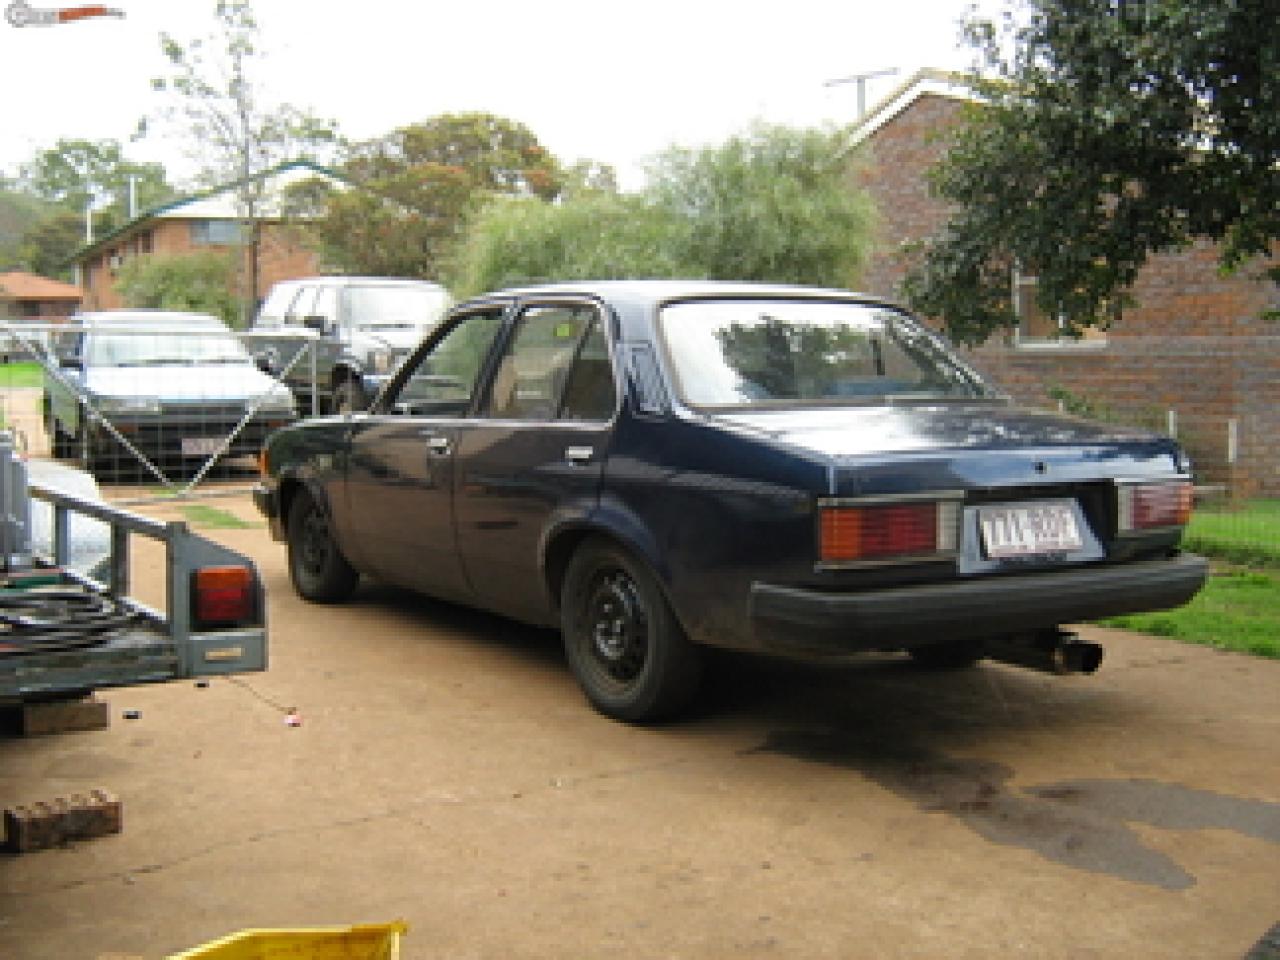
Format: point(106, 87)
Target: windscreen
point(160, 349)
point(395, 307)
point(760, 352)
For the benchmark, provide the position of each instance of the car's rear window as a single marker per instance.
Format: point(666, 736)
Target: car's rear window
point(757, 352)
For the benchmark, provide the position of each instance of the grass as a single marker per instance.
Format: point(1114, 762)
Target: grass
point(1248, 535)
point(1238, 609)
point(202, 515)
point(26, 373)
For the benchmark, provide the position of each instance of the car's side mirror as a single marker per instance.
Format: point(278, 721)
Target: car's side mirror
point(317, 323)
point(71, 363)
point(265, 362)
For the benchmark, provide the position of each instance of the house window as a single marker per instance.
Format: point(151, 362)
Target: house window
point(215, 232)
point(1038, 328)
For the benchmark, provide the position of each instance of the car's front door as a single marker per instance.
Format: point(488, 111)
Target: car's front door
point(533, 453)
point(400, 467)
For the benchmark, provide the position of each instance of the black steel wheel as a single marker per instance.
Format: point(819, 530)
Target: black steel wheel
point(623, 642)
point(949, 655)
point(349, 397)
point(319, 571)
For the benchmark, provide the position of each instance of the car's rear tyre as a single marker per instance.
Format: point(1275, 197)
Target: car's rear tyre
point(629, 653)
point(349, 397)
point(319, 571)
point(950, 655)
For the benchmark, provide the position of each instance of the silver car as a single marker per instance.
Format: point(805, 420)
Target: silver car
point(174, 388)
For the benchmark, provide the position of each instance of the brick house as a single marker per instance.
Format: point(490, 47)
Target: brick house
point(36, 299)
point(1194, 355)
point(206, 221)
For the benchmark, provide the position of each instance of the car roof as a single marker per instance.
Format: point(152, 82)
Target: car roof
point(144, 317)
point(349, 281)
point(653, 293)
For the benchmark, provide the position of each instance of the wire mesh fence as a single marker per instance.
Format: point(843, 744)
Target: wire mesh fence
point(165, 401)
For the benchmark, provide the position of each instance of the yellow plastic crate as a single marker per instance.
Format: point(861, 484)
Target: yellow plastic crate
point(378, 941)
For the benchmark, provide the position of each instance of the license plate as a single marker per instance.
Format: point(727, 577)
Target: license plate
point(200, 446)
point(1029, 529)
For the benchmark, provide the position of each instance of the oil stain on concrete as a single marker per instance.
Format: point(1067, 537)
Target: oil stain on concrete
point(1083, 824)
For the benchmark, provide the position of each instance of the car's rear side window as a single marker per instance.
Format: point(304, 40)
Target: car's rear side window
point(548, 357)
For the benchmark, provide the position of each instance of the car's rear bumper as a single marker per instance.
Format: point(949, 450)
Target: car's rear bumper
point(799, 619)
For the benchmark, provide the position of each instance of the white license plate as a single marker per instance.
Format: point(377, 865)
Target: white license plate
point(1029, 529)
point(200, 446)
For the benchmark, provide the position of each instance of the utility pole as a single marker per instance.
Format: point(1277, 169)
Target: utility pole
point(861, 80)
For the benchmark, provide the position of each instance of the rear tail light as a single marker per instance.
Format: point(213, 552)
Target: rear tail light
point(224, 596)
point(887, 531)
point(1149, 506)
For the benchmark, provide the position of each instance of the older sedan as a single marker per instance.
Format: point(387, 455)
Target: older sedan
point(656, 467)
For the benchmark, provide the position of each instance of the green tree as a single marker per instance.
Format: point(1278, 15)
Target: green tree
point(215, 100)
point(597, 236)
point(774, 204)
point(415, 186)
point(1112, 130)
point(202, 282)
point(47, 247)
point(76, 173)
point(19, 212)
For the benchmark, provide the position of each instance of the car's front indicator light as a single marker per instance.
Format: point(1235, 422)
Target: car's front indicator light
point(1150, 506)
point(224, 596)
point(887, 531)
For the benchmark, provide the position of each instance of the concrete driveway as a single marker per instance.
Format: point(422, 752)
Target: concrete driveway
point(448, 772)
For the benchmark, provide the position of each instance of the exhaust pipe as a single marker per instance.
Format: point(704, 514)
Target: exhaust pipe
point(1050, 651)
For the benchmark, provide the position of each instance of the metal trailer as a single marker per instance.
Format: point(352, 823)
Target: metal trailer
point(64, 633)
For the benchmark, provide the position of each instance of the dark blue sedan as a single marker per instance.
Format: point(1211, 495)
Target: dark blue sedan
point(656, 467)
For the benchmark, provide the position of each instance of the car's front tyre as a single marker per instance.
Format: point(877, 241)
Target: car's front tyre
point(623, 642)
point(319, 571)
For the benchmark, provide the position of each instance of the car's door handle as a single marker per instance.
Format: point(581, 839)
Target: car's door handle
point(438, 444)
point(579, 454)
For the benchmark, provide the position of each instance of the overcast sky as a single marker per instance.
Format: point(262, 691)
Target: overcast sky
point(615, 82)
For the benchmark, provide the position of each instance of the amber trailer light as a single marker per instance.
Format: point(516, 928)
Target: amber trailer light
point(887, 531)
point(1150, 506)
point(224, 596)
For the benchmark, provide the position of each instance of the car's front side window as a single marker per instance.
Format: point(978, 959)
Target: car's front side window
point(444, 379)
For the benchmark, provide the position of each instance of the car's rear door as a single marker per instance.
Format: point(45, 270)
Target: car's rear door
point(400, 462)
point(533, 453)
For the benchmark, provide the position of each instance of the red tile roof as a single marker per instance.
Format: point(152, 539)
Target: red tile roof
point(16, 285)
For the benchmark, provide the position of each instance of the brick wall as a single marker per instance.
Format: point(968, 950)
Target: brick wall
point(282, 256)
point(1195, 343)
